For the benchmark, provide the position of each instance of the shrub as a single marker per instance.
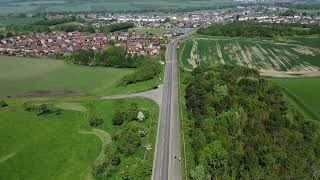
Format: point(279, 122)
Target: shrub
point(146, 71)
point(41, 109)
point(118, 117)
point(95, 121)
point(129, 138)
point(136, 169)
point(3, 104)
point(109, 163)
point(126, 114)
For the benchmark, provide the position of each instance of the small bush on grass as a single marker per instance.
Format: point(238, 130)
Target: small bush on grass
point(95, 121)
point(3, 104)
point(41, 109)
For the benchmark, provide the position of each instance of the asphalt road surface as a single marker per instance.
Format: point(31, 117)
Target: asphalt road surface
point(167, 165)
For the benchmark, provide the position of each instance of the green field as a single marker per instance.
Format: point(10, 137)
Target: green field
point(263, 54)
point(22, 75)
point(55, 147)
point(303, 93)
point(4, 21)
point(103, 5)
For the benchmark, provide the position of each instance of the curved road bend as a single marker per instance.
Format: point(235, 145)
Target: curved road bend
point(165, 165)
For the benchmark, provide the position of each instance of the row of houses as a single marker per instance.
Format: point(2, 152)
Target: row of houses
point(46, 44)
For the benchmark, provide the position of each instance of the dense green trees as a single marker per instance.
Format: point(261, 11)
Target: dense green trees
point(52, 22)
point(129, 137)
point(146, 71)
point(242, 128)
point(116, 27)
point(136, 169)
point(254, 29)
point(125, 114)
point(113, 56)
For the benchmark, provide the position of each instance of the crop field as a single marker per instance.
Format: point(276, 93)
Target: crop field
point(302, 92)
point(20, 76)
point(268, 55)
point(61, 146)
point(102, 5)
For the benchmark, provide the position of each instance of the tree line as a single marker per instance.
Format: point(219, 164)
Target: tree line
point(62, 24)
point(114, 56)
point(116, 27)
point(242, 128)
point(255, 29)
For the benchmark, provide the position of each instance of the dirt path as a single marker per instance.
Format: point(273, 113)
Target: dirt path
point(105, 139)
point(4, 158)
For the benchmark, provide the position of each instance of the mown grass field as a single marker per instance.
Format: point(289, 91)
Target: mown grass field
point(102, 5)
point(21, 75)
point(301, 53)
point(303, 93)
point(52, 147)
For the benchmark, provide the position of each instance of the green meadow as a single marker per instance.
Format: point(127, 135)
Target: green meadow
point(55, 146)
point(303, 92)
point(20, 75)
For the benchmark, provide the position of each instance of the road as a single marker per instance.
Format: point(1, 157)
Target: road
point(166, 166)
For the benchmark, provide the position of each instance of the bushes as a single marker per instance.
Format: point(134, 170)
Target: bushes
point(125, 114)
point(136, 169)
point(129, 137)
point(148, 70)
point(116, 27)
point(126, 140)
point(109, 163)
point(3, 104)
point(41, 109)
point(95, 121)
point(113, 56)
